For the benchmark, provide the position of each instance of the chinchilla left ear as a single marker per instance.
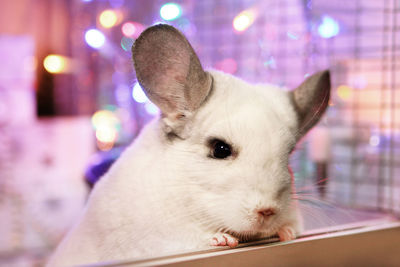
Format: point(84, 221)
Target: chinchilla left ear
point(170, 73)
point(310, 100)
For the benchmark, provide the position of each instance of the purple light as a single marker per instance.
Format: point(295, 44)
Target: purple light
point(116, 3)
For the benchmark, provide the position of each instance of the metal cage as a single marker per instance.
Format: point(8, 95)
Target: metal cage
point(287, 41)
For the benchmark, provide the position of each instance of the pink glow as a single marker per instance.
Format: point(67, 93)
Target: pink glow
point(227, 65)
point(132, 29)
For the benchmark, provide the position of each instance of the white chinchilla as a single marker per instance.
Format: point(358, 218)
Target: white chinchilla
point(212, 169)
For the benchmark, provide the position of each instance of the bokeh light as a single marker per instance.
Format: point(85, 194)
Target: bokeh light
point(122, 94)
point(126, 43)
point(55, 63)
point(128, 29)
point(108, 18)
point(140, 97)
point(170, 11)
point(244, 20)
point(95, 38)
point(106, 124)
point(138, 94)
point(151, 108)
point(374, 140)
point(132, 29)
point(106, 135)
point(103, 118)
point(345, 92)
point(329, 27)
point(358, 81)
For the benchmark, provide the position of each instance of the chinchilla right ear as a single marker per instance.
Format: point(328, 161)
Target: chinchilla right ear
point(310, 100)
point(171, 75)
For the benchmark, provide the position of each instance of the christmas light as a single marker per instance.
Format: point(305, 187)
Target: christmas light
point(128, 29)
point(151, 108)
point(108, 18)
point(244, 20)
point(106, 135)
point(55, 64)
point(138, 94)
point(95, 38)
point(328, 28)
point(345, 92)
point(374, 140)
point(170, 11)
point(126, 43)
point(106, 125)
point(102, 118)
point(132, 29)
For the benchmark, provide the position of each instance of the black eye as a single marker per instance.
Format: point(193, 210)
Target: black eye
point(220, 149)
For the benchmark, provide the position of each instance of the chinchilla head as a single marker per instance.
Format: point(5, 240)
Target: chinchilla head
point(226, 141)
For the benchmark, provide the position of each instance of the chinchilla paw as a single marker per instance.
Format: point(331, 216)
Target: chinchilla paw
point(287, 233)
point(223, 239)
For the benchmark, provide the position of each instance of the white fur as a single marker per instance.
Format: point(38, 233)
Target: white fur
point(164, 196)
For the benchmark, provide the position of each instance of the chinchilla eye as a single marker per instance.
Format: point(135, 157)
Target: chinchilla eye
point(220, 149)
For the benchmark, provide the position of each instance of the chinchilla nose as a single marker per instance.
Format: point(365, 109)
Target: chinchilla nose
point(265, 213)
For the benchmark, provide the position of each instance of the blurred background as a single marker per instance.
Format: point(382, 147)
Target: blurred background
point(70, 103)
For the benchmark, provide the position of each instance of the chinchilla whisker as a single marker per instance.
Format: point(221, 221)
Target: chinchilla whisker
point(318, 184)
point(317, 202)
point(316, 215)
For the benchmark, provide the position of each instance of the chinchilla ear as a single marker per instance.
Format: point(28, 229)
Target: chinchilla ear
point(311, 99)
point(170, 73)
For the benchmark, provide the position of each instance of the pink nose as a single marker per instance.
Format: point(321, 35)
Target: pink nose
point(266, 212)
